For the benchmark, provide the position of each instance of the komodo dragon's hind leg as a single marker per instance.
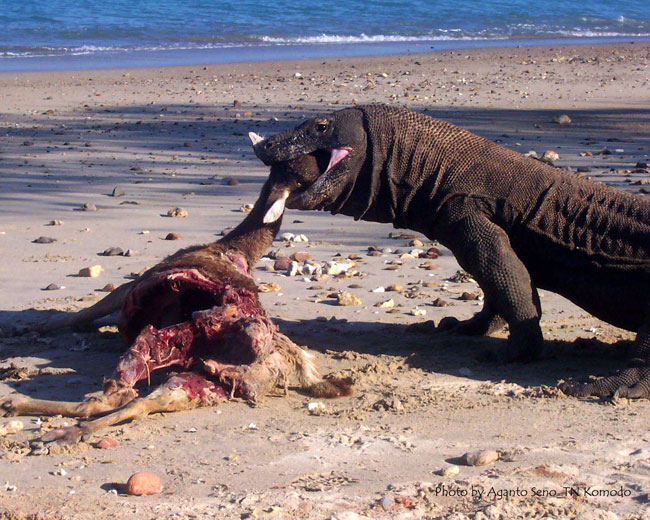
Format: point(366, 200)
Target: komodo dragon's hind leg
point(633, 382)
point(111, 303)
point(182, 391)
point(483, 323)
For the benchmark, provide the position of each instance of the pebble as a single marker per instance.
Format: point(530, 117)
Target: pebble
point(113, 251)
point(11, 427)
point(173, 236)
point(117, 192)
point(416, 243)
point(387, 503)
point(44, 240)
point(388, 304)
point(550, 156)
point(143, 483)
point(90, 272)
point(300, 256)
point(432, 253)
point(395, 288)
point(378, 290)
point(55, 223)
point(419, 312)
point(106, 443)
point(231, 181)
point(439, 302)
point(282, 263)
point(333, 268)
point(52, 287)
point(345, 299)
point(131, 252)
point(246, 208)
point(268, 287)
point(177, 213)
point(109, 287)
point(316, 408)
point(449, 471)
point(88, 206)
point(562, 119)
point(480, 458)
point(467, 296)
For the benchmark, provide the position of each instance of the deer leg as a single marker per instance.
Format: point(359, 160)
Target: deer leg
point(111, 303)
point(182, 391)
point(19, 404)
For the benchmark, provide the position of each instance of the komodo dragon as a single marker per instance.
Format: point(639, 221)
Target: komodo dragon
point(515, 223)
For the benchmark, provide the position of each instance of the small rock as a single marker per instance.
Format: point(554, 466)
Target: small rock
point(106, 443)
point(143, 483)
point(231, 181)
point(88, 206)
point(419, 312)
point(268, 287)
point(480, 458)
point(550, 156)
point(387, 503)
point(177, 213)
point(52, 287)
point(55, 223)
point(246, 208)
point(282, 263)
point(316, 408)
point(346, 299)
point(439, 302)
point(333, 268)
point(90, 272)
point(449, 471)
point(388, 304)
point(562, 119)
point(378, 290)
point(113, 251)
point(173, 236)
point(109, 287)
point(467, 296)
point(117, 192)
point(531, 153)
point(44, 240)
point(131, 252)
point(11, 427)
point(236, 103)
point(416, 243)
point(300, 256)
point(395, 288)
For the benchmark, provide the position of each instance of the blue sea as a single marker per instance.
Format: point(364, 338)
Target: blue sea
point(52, 34)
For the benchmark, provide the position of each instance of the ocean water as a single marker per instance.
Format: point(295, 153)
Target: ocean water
point(134, 32)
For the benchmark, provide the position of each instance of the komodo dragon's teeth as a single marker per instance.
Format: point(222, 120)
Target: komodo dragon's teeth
point(255, 138)
point(338, 154)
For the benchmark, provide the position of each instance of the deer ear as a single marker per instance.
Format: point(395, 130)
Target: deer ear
point(255, 138)
point(275, 211)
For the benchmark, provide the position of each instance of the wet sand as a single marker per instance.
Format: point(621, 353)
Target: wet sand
point(161, 138)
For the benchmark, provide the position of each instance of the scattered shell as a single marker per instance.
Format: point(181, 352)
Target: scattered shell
point(316, 408)
point(44, 240)
point(480, 458)
point(532, 154)
point(562, 119)
point(52, 287)
point(113, 251)
point(131, 252)
point(449, 471)
point(268, 287)
point(246, 208)
point(88, 206)
point(388, 304)
point(173, 236)
point(143, 483)
point(419, 312)
point(550, 156)
point(177, 213)
point(11, 427)
point(378, 290)
point(55, 223)
point(346, 299)
point(90, 272)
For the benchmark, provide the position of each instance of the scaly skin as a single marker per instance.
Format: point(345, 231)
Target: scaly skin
point(514, 223)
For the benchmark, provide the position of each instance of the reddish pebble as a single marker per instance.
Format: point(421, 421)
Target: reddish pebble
point(300, 256)
point(282, 263)
point(143, 483)
point(173, 236)
point(107, 442)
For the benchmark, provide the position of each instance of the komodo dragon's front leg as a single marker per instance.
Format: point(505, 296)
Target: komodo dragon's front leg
point(483, 249)
point(633, 382)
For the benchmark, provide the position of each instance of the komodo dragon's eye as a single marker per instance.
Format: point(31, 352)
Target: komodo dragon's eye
point(321, 127)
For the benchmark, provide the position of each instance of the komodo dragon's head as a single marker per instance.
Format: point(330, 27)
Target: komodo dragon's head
point(317, 161)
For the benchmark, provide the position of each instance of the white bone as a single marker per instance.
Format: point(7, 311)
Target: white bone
point(276, 209)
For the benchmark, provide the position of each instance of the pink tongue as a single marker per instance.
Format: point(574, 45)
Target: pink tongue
point(337, 155)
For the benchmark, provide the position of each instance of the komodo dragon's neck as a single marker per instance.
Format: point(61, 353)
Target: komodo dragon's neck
point(409, 157)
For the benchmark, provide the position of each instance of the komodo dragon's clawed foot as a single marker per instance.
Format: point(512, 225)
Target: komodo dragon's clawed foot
point(633, 383)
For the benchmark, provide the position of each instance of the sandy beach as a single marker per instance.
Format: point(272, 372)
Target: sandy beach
point(105, 154)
